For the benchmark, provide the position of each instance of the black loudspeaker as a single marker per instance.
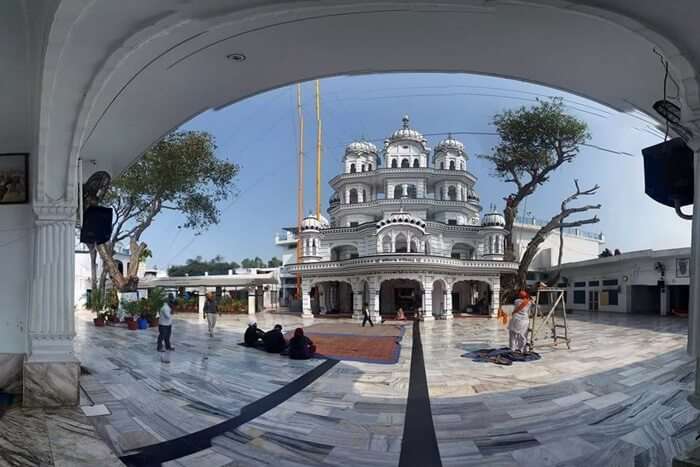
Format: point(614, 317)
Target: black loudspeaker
point(668, 172)
point(97, 225)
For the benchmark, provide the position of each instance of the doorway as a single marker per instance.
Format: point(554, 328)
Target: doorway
point(593, 300)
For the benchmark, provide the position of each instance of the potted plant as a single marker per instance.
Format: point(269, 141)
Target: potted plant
point(112, 306)
point(155, 301)
point(132, 309)
point(225, 305)
point(96, 304)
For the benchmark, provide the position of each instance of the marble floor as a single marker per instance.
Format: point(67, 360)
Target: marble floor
point(617, 398)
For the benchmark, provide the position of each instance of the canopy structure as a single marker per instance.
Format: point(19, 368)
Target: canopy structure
point(231, 280)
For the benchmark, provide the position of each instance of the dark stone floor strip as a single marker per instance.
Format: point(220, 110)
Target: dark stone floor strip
point(156, 454)
point(419, 447)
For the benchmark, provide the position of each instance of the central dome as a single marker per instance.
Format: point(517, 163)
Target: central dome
point(407, 133)
point(450, 143)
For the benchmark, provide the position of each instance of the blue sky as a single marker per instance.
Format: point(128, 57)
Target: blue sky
point(259, 133)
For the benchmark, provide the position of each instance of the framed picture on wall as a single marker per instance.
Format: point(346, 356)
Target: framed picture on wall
point(14, 178)
point(682, 267)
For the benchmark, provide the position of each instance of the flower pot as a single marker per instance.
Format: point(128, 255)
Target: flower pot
point(131, 324)
point(153, 322)
point(142, 323)
point(99, 322)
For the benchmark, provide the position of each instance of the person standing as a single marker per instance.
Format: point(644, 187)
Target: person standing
point(519, 322)
point(365, 316)
point(165, 326)
point(210, 312)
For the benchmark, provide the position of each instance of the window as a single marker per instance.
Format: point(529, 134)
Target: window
point(451, 221)
point(354, 224)
point(452, 193)
point(579, 297)
point(416, 164)
point(412, 192)
point(593, 283)
point(398, 191)
point(364, 196)
point(442, 166)
point(455, 256)
point(461, 165)
point(610, 282)
point(613, 297)
point(354, 255)
point(405, 164)
point(394, 164)
point(353, 169)
point(370, 167)
point(363, 167)
point(353, 196)
point(452, 165)
point(401, 244)
point(579, 284)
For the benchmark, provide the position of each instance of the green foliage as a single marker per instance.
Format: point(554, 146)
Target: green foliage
point(96, 301)
point(198, 266)
point(534, 139)
point(154, 302)
point(257, 262)
point(145, 254)
point(274, 262)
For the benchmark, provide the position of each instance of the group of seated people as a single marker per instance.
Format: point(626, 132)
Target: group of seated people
point(299, 346)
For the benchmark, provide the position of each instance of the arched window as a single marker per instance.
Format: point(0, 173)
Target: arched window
point(442, 166)
point(353, 169)
point(414, 245)
point(401, 243)
point(416, 164)
point(461, 165)
point(363, 167)
point(405, 164)
point(353, 196)
point(386, 244)
point(370, 167)
point(398, 191)
point(412, 192)
point(394, 164)
point(364, 196)
point(452, 165)
point(452, 193)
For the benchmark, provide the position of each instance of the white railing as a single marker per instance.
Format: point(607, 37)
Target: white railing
point(402, 260)
point(399, 202)
point(403, 171)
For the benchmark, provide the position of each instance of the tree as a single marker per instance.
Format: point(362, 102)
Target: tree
point(274, 262)
point(180, 173)
point(257, 262)
point(198, 266)
point(534, 142)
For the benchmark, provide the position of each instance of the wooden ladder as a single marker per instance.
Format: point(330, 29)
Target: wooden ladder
point(554, 316)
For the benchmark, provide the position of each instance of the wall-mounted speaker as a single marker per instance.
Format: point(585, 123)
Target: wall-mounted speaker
point(668, 173)
point(97, 225)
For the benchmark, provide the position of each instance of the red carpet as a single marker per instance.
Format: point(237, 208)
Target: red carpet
point(380, 344)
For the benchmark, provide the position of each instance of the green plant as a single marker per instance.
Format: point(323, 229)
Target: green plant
point(154, 302)
point(96, 303)
point(133, 308)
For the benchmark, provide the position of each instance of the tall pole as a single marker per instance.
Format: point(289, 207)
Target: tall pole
point(300, 190)
point(318, 150)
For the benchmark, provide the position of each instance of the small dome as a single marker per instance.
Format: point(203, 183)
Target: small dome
point(493, 219)
point(407, 133)
point(360, 147)
point(310, 222)
point(450, 143)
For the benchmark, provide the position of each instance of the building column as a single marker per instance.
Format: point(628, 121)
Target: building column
point(694, 299)
point(252, 303)
point(374, 290)
point(427, 304)
point(404, 190)
point(664, 300)
point(51, 371)
point(448, 303)
point(357, 306)
point(202, 298)
point(306, 300)
point(495, 296)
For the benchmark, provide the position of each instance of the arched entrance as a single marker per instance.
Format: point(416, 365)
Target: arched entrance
point(471, 296)
point(400, 293)
point(331, 297)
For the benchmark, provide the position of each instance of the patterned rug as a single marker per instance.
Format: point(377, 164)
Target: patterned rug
point(378, 344)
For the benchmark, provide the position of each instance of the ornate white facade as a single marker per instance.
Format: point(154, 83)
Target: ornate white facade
point(405, 231)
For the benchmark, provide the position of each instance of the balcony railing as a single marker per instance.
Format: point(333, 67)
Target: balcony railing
point(572, 231)
point(408, 259)
point(400, 202)
point(403, 171)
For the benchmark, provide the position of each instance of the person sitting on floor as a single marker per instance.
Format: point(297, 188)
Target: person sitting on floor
point(274, 340)
point(253, 335)
point(400, 315)
point(300, 346)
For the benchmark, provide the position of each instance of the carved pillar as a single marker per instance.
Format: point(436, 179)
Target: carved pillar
point(374, 290)
point(448, 302)
point(357, 304)
point(427, 303)
point(495, 296)
point(404, 190)
point(306, 299)
point(252, 305)
point(51, 370)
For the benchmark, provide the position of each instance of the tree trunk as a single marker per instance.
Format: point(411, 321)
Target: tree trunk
point(509, 213)
point(93, 267)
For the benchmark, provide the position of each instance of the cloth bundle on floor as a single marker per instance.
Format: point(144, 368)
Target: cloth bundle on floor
point(502, 356)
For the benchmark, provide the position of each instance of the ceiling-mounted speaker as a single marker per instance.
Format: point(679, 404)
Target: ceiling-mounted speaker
point(669, 173)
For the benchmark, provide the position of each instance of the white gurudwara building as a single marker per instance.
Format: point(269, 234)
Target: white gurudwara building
point(406, 230)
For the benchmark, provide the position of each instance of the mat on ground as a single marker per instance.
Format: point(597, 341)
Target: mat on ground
point(502, 356)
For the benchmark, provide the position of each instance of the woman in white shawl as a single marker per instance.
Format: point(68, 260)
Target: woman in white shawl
point(519, 322)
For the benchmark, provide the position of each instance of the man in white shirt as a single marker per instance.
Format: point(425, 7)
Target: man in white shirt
point(165, 327)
